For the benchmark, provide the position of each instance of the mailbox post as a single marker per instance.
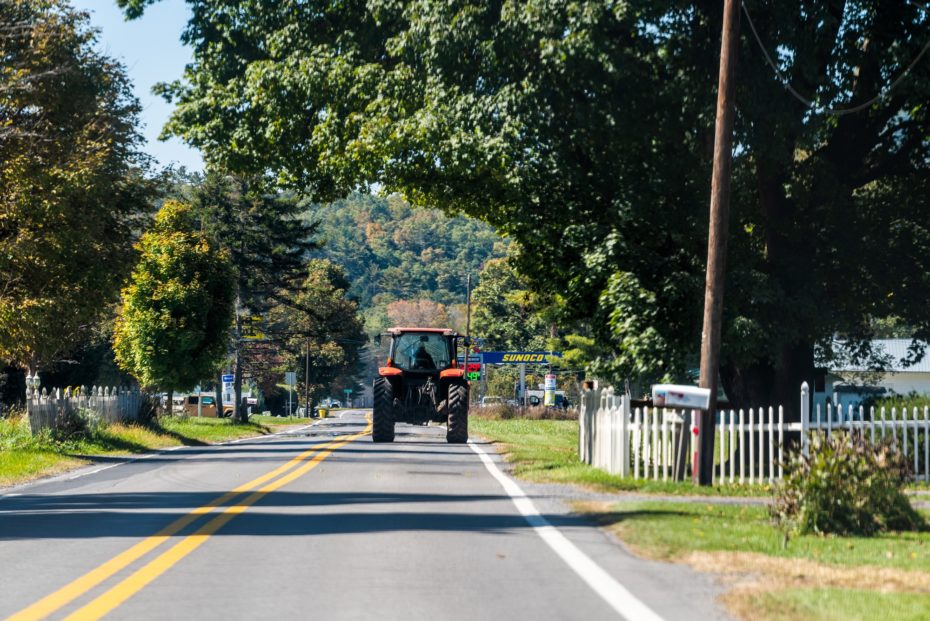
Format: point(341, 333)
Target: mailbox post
point(688, 398)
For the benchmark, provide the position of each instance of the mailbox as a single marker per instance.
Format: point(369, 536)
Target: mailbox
point(674, 396)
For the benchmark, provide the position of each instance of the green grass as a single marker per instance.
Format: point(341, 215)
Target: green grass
point(193, 430)
point(547, 451)
point(24, 457)
point(262, 419)
point(669, 530)
point(21, 465)
point(841, 605)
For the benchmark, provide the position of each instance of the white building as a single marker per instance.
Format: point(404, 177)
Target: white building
point(848, 384)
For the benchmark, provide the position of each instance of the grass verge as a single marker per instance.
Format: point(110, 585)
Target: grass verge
point(838, 605)
point(813, 577)
point(24, 457)
point(279, 421)
point(546, 451)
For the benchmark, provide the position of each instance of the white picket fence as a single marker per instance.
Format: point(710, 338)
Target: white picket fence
point(47, 409)
point(749, 444)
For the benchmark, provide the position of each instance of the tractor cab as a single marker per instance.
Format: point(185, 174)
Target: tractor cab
point(421, 350)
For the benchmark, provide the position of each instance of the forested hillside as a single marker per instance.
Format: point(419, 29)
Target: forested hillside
point(394, 255)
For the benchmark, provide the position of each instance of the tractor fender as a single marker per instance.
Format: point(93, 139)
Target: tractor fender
point(389, 372)
point(452, 374)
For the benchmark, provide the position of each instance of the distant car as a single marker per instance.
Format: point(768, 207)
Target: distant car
point(488, 401)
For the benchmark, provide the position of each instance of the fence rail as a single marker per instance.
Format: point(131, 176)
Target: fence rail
point(749, 444)
point(47, 410)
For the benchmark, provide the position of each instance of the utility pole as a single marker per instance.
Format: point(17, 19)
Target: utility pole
point(307, 379)
point(468, 325)
point(717, 239)
point(468, 311)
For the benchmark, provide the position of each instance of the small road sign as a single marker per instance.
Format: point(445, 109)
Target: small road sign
point(228, 379)
point(290, 378)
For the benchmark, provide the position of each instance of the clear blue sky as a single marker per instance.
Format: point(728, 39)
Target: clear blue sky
point(151, 49)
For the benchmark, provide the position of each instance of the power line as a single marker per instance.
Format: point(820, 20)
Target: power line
point(818, 108)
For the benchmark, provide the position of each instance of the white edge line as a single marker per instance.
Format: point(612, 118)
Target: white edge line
point(615, 594)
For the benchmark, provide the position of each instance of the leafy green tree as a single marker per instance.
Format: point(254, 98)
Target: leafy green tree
point(320, 330)
point(506, 313)
point(72, 186)
point(173, 325)
point(267, 241)
point(584, 131)
point(391, 251)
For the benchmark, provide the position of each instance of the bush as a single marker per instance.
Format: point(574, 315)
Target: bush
point(847, 486)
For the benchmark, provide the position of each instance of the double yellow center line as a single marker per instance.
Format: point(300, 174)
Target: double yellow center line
point(131, 585)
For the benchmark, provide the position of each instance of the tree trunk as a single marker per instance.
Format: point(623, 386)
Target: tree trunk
point(771, 385)
point(218, 395)
point(239, 412)
point(242, 414)
point(170, 404)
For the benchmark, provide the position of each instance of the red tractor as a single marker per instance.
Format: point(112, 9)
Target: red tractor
point(421, 382)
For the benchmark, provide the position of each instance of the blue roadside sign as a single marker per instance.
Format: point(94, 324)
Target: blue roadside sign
point(228, 379)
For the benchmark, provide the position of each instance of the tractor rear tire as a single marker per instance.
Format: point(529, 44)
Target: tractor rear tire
point(457, 406)
point(382, 428)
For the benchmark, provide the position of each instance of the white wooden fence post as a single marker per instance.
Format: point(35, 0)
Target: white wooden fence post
point(732, 445)
point(926, 428)
point(805, 418)
point(781, 442)
point(625, 435)
point(637, 441)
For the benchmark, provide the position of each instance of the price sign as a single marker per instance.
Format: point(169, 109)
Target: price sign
point(473, 371)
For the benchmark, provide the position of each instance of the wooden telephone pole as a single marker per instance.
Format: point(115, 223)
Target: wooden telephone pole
point(717, 238)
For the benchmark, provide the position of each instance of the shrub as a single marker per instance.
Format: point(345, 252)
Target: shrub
point(847, 486)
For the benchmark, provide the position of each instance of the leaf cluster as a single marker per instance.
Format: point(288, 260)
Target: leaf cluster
point(173, 326)
point(73, 186)
point(847, 485)
point(319, 327)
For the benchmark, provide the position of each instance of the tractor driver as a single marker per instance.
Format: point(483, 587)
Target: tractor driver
point(422, 359)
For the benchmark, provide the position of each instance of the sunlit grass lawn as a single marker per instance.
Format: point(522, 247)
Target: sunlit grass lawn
point(262, 419)
point(669, 530)
point(546, 451)
point(831, 604)
point(24, 457)
point(735, 539)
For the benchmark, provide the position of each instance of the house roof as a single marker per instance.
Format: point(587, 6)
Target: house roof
point(897, 349)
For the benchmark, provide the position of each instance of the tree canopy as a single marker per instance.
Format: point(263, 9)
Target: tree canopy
point(584, 131)
point(72, 186)
point(320, 330)
point(392, 251)
point(173, 326)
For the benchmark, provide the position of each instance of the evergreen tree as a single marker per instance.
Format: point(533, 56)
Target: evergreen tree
point(267, 241)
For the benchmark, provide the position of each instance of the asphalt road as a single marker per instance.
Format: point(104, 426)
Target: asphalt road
point(321, 523)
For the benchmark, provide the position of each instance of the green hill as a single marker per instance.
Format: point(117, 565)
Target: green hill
point(392, 252)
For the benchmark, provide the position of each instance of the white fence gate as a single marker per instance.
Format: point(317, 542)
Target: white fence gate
point(110, 404)
point(749, 444)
